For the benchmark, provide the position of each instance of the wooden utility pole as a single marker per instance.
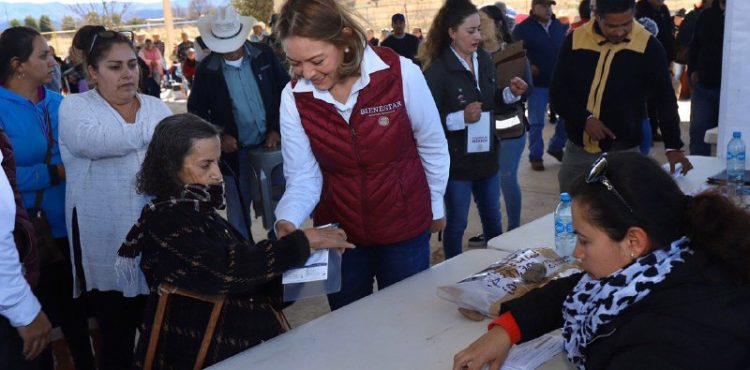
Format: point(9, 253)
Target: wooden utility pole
point(169, 26)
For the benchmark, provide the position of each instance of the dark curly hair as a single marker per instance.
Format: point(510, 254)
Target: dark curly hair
point(715, 226)
point(450, 16)
point(172, 141)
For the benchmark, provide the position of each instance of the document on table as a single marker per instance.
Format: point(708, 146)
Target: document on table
point(478, 134)
point(532, 354)
point(315, 269)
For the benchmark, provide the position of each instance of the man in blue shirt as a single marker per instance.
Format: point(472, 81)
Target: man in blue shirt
point(238, 87)
point(542, 35)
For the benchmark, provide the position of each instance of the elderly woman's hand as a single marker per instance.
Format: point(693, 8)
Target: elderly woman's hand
point(518, 86)
point(329, 237)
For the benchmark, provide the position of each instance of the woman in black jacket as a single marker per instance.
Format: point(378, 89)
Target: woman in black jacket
point(461, 77)
point(184, 242)
point(666, 282)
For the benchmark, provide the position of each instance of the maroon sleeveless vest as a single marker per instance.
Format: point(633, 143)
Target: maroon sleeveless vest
point(374, 184)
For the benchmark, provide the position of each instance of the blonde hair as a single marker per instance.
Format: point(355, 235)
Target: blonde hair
point(325, 20)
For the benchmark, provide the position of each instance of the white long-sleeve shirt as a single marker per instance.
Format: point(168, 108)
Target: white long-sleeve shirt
point(304, 181)
point(17, 303)
point(455, 121)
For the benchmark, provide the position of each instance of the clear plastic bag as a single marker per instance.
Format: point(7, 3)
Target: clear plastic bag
point(482, 294)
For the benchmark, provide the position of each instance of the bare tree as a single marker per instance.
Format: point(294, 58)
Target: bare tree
point(109, 14)
point(179, 11)
point(260, 9)
point(68, 23)
point(197, 8)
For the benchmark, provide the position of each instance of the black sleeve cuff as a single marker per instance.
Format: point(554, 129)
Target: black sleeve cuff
point(299, 243)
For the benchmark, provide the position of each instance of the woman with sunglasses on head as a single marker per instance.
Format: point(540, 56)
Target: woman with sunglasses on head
point(461, 77)
point(666, 281)
point(104, 133)
point(362, 146)
point(29, 116)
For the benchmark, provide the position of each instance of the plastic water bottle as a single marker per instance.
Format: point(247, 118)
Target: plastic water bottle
point(565, 238)
point(736, 162)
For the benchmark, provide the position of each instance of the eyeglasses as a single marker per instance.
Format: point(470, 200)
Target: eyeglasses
point(110, 35)
point(598, 173)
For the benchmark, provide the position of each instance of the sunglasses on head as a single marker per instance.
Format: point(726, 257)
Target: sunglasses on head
point(107, 34)
point(598, 174)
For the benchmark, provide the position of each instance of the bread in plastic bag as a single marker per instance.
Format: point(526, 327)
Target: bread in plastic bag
point(482, 294)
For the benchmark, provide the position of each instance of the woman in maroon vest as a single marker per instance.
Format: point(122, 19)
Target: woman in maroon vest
point(362, 145)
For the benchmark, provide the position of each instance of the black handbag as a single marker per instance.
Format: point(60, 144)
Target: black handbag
point(46, 247)
point(512, 123)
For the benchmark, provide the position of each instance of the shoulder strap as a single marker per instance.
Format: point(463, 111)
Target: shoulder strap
point(47, 157)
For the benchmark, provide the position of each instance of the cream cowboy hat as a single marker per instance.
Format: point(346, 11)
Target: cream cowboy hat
point(225, 31)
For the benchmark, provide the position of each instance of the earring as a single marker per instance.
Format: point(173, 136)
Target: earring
point(346, 50)
point(632, 255)
point(22, 75)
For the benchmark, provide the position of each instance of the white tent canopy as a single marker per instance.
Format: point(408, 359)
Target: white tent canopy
point(734, 112)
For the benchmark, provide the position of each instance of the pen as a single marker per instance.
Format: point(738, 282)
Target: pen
point(332, 224)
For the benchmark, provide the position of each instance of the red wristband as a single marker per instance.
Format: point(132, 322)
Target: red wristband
point(507, 322)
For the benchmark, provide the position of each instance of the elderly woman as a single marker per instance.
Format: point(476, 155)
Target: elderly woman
point(184, 242)
point(461, 77)
point(666, 282)
point(103, 137)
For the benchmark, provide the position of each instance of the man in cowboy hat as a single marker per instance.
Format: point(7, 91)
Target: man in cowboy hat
point(238, 87)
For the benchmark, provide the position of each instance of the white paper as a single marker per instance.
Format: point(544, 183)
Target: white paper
point(507, 123)
point(478, 134)
point(316, 268)
point(534, 353)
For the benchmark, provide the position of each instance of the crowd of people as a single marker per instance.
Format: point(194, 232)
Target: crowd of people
point(110, 203)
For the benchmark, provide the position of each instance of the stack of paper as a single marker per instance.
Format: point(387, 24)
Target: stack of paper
point(532, 354)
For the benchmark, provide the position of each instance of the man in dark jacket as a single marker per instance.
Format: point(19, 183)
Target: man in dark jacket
point(401, 42)
point(238, 87)
point(603, 104)
point(542, 36)
point(705, 73)
point(658, 12)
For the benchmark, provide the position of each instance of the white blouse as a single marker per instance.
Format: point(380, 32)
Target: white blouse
point(102, 154)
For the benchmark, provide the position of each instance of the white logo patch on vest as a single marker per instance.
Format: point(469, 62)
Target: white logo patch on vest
point(382, 111)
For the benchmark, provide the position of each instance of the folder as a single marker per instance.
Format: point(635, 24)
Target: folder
point(509, 62)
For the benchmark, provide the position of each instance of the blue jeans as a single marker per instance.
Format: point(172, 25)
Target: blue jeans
point(647, 138)
point(704, 115)
point(457, 201)
point(238, 208)
point(389, 264)
point(537, 108)
point(510, 155)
